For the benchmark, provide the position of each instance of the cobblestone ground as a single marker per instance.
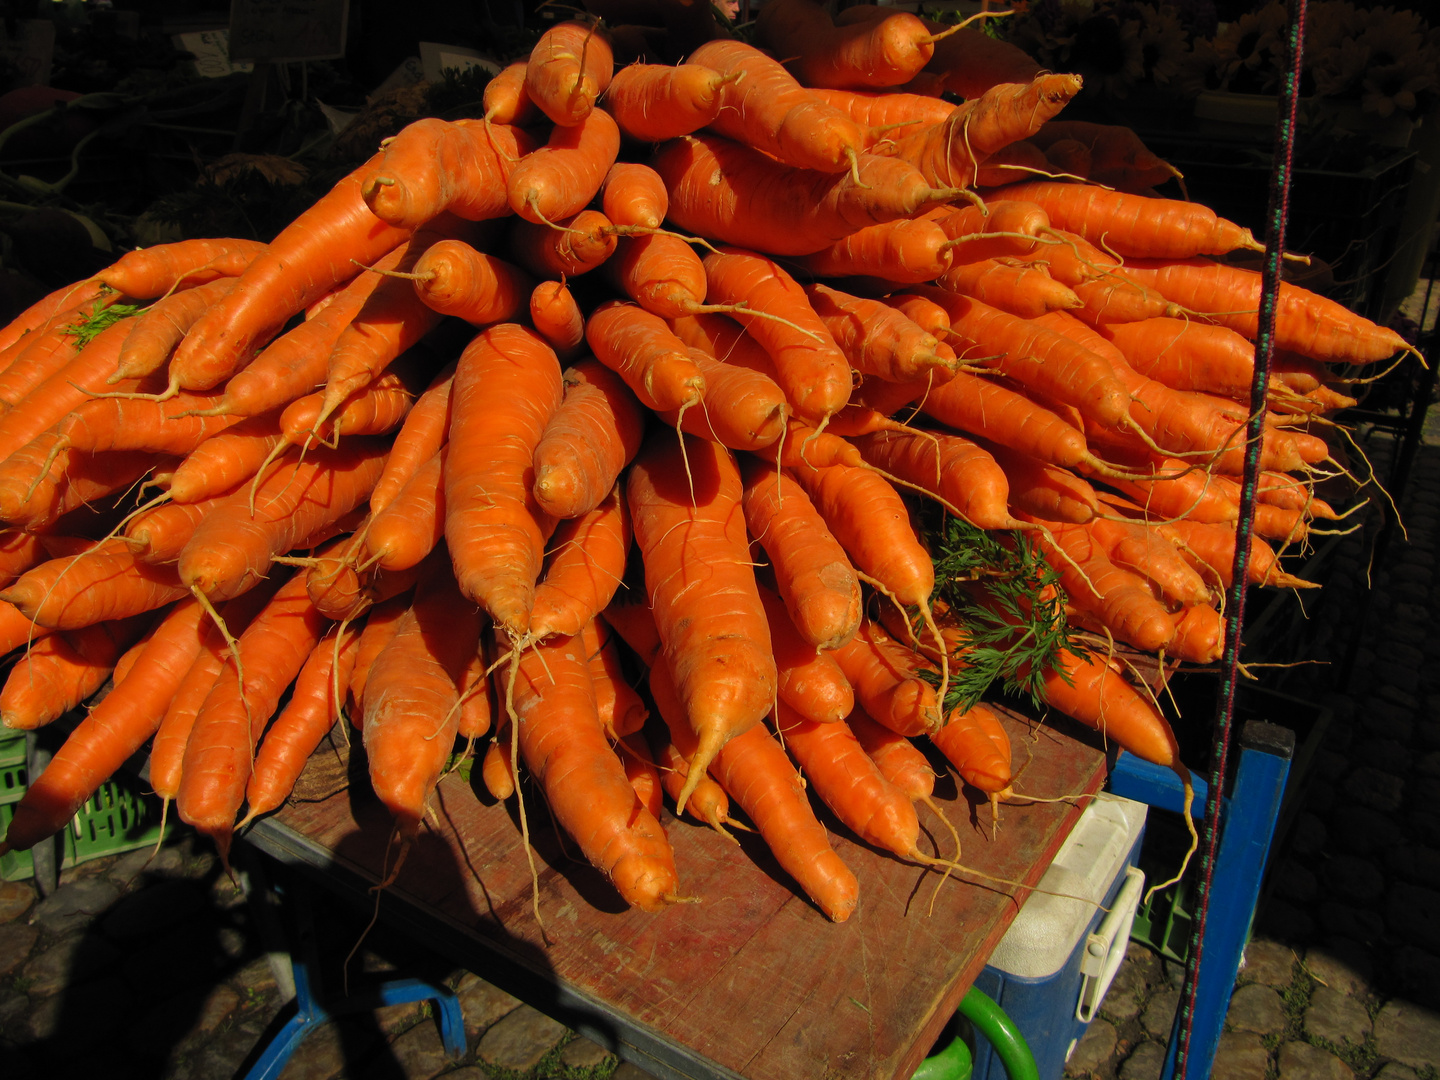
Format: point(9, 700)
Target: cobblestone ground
point(150, 967)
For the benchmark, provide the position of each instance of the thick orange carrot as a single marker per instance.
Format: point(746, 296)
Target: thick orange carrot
point(899, 760)
point(1024, 290)
point(770, 111)
point(743, 409)
point(113, 730)
point(885, 676)
point(61, 670)
point(150, 272)
point(412, 700)
point(640, 348)
point(812, 572)
point(507, 386)
point(221, 748)
point(432, 167)
point(1090, 691)
point(812, 370)
point(581, 244)
point(619, 707)
point(557, 318)
point(569, 68)
point(104, 583)
point(755, 772)
point(1120, 598)
point(691, 535)
point(380, 625)
point(655, 102)
point(736, 194)
point(876, 338)
point(505, 99)
point(591, 437)
point(951, 467)
point(156, 331)
point(454, 279)
point(585, 784)
point(559, 179)
point(976, 744)
point(811, 682)
point(585, 569)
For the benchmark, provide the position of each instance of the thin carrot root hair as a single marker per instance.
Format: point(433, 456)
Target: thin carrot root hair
point(930, 860)
point(165, 395)
point(530, 203)
point(646, 230)
point(1187, 802)
point(512, 657)
point(232, 645)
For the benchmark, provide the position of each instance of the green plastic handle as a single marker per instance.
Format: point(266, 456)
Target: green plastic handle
point(1010, 1046)
point(952, 1063)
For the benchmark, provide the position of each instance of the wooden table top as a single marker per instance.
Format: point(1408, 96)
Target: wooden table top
point(751, 980)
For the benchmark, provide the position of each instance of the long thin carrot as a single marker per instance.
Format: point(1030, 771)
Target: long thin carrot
point(585, 570)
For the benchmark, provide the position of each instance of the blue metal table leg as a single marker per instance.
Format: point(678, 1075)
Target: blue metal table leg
point(311, 1013)
point(1248, 826)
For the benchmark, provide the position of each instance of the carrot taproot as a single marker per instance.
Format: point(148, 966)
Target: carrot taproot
point(413, 522)
point(559, 179)
point(950, 153)
point(156, 331)
point(813, 574)
point(812, 370)
point(1120, 598)
point(312, 255)
point(885, 677)
point(736, 194)
point(1133, 225)
point(63, 669)
point(497, 771)
point(639, 765)
point(743, 409)
point(1037, 356)
point(1211, 548)
point(585, 569)
point(114, 729)
point(899, 760)
point(582, 243)
point(569, 68)
point(101, 584)
point(708, 802)
point(1199, 635)
point(810, 681)
point(422, 433)
point(690, 530)
point(453, 278)
point(504, 98)
point(232, 547)
point(1119, 158)
point(16, 334)
point(656, 102)
point(1304, 322)
point(878, 53)
point(557, 318)
point(754, 771)
point(1146, 551)
point(877, 339)
point(891, 111)
point(1187, 355)
point(1026, 290)
point(660, 272)
point(1087, 689)
point(146, 273)
point(907, 252)
point(591, 437)
point(507, 386)
point(412, 701)
point(619, 707)
point(957, 471)
point(640, 348)
point(1043, 490)
point(770, 111)
point(47, 350)
point(220, 751)
point(975, 742)
point(380, 626)
point(301, 725)
point(433, 167)
point(222, 461)
point(585, 785)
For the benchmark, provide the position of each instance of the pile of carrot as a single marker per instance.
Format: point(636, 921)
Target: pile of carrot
point(723, 331)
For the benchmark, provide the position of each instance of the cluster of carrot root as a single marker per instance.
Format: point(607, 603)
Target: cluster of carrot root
point(720, 331)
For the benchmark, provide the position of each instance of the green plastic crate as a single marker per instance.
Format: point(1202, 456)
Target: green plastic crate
point(120, 816)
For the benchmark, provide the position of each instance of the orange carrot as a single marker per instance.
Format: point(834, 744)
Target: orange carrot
point(812, 370)
point(584, 782)
point(897, 758)
point(104, 583)
point(655, 102)
point(310, 257)
point(432, 167)
point(412, 700)
point(222, 461)
point(232, 547)
point(454, 279)
point(640, 348)
point(505, 99)
point(810, 681)
point(813, 574)
point(380, 626)
point(584, 571)
point(639, 766)
point(976, 744)
point(743, 409)
point(420, 438)
point(1027, 291)
point(569, 68)
point(581, 244)
point(301, 725)
point(1089, 690)
point(560, 178)
point(691, 535)
point(61, 670)
point(150, 272)
point(590, 438)
point(557, 318)
point(770, 111)
point(507, 386)
point(885, 676)
point(619, 707)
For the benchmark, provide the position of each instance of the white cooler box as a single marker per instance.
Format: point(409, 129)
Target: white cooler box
point(1056, 961)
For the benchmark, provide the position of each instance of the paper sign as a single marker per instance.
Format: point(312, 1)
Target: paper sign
point(288, 29)
point(211, 50)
